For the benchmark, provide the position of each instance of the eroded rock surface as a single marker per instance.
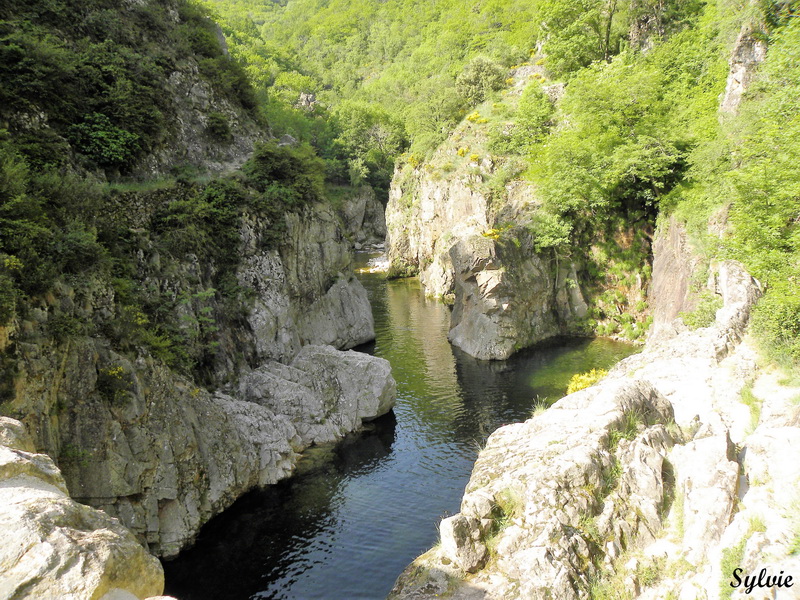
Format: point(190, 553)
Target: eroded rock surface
point(641, 483)
point(164, 453)
point(54, 547)
point(505, 296)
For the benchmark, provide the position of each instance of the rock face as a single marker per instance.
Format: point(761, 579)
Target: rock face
point(306, 291)
point(492, 317)
point(468, 228)
point(363, 217)
point(636, 476)
point(674, 264)
point(748, 52)
point(505, 296)
point(195, 101)
point(163, 453)
point(54, 547)
point(168, 456)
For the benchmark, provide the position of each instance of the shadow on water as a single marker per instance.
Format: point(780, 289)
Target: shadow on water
point(355, 515)
point(264, 535)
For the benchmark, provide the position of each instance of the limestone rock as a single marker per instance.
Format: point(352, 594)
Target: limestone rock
point(461, 542)
point(324, 393)
point(670, 294)
point(505, 295)
point(543, 478)
point(342, 317)
point(363, 217)
point(749, 51)
point(498, 309)
point(164, 454)
point(54, 547)
point(167, 458)
point(592, 478)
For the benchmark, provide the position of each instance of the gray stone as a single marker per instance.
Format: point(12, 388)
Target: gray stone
point(461, 542)
point(54, 547)
point(749, 51)
point(589, 479)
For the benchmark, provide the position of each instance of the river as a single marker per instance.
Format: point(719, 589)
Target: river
point(355, 515)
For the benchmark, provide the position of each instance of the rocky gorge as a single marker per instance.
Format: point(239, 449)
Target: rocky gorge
point(188, 344)
point(657, 482)
point(465, 224)
point(160, 454)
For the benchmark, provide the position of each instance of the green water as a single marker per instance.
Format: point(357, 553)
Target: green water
point(356, 515)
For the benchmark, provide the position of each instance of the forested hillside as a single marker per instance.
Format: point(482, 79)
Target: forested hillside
point(114, 124)
point(634, 132)
point(637, 132)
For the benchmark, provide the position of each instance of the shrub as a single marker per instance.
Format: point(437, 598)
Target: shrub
point(705, 313)
point(297, 168)
point(776, 322)
point(478, 79)
point(102, 142)
point(114, 383)
point(8, 299)
point(218, 128)
point(580, 381)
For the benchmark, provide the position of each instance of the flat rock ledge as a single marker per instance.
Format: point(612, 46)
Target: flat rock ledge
point(55, 548)
point(654, 483)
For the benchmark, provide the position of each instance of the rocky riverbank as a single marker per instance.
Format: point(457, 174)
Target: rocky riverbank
point(164, 453)
point(653, 483)
point(54, 547)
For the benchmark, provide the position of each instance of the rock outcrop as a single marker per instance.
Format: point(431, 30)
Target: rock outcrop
point(505, 295)
point(749, 51)
point(306, 292)
point(632, 486)
point(54, 547)
point(164, 453)
point(363, 217)
point(167, 456)
point(468, 227)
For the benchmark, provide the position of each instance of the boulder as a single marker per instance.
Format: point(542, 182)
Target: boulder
point(54, 547)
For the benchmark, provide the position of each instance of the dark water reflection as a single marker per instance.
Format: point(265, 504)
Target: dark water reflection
point(353, 517)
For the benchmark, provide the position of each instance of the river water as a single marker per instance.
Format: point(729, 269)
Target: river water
point(354, 516)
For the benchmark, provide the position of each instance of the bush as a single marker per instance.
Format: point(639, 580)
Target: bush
point(296, 168)
point(479, 78)
point(8, 299)
point(705, 313)
point(580, 381)
point(102, 142)
point(218, 128)
point(776, 322)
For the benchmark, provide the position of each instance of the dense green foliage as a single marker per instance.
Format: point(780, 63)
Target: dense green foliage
point(90, 77)
point(85, 97)
point(636, 133)
point(765, 193)
point(425, 63)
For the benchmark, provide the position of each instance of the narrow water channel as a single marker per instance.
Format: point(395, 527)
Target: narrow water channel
point(354, 516)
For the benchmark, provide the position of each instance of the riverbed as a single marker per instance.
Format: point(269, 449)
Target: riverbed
point(355, 515)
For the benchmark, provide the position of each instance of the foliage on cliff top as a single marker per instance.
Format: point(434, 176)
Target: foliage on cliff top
point(84, 82)
point(426, 63)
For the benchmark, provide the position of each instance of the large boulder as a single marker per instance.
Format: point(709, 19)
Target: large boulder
point(54, 547)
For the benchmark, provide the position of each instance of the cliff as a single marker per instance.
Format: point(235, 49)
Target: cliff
point(659, 481)
point(170, 345)
point(53, 546)
point(163, 452)
point(470, 227)
point(650, 484)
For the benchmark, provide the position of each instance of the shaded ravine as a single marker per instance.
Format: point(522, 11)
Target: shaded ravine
point(354, 516)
